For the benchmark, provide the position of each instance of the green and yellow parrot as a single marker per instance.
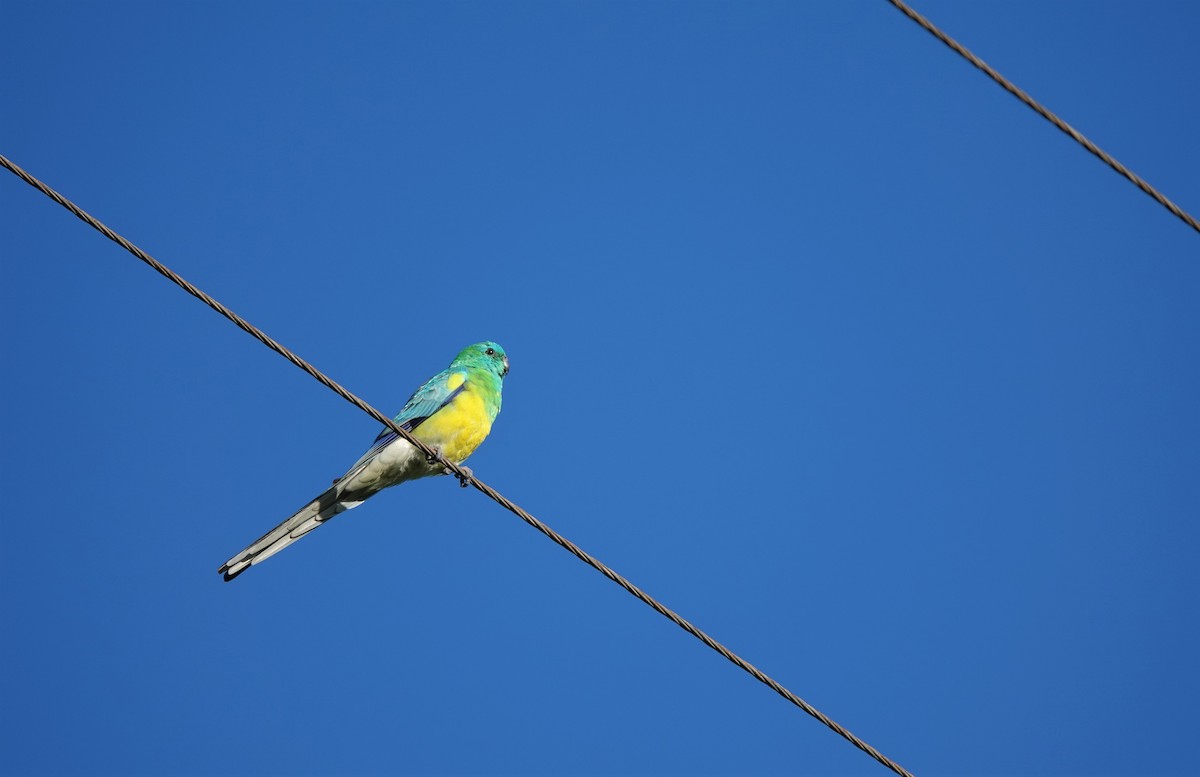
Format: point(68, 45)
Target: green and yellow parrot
point(453, 412)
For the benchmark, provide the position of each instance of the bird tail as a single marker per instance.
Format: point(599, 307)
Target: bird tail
point(309, 517)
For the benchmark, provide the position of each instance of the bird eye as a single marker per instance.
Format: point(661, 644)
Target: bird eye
point(490, 352)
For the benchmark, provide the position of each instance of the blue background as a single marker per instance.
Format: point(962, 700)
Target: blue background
point(816, 335)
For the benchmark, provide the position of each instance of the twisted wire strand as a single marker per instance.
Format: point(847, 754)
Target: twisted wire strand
point(1021, 95)
point(464, 477)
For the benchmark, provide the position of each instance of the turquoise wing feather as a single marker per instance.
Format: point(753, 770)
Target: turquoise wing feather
point(425, 401)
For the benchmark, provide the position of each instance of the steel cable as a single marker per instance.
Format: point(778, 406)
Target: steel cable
point(464, 478)
point(1020, 94)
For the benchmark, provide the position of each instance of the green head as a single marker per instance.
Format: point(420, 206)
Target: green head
point(486, 355)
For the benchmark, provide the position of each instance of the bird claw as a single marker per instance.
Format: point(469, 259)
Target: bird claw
point(464, 480)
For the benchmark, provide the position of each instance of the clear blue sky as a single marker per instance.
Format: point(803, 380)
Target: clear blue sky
point(816, 335)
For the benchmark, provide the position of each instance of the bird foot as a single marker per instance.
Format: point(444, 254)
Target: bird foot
point(464, 480)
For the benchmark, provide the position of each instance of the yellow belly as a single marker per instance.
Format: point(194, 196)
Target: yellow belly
point(458, 428)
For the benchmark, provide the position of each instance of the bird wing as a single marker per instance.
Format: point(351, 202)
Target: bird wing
point(438, 391)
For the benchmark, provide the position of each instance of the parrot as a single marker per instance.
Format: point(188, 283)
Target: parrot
point(452, 412)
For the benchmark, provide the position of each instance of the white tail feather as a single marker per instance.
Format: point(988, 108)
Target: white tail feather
point(309, 517)
point(394, 463)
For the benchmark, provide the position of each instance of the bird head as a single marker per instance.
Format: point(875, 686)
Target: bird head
point(487, 354)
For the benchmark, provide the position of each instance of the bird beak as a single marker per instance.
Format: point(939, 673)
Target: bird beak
point(505, 367)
